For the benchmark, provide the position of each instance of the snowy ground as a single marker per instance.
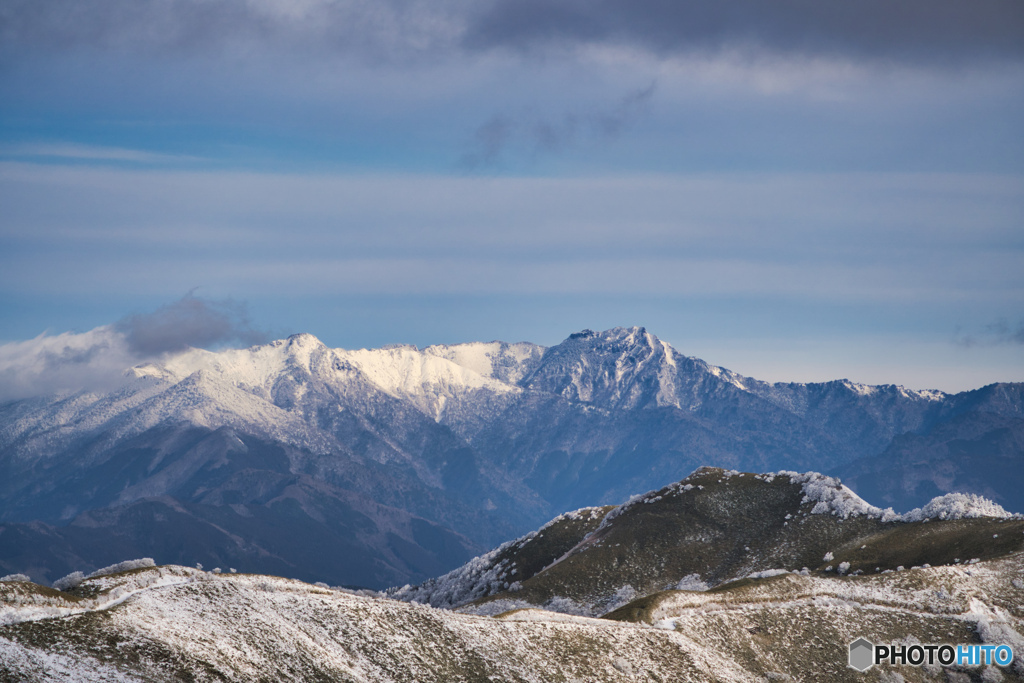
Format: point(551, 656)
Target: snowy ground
point(175, 623)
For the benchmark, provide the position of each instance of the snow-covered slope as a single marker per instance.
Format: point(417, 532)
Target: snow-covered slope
point(174, 623)
point(273, 391)
point(498, 360)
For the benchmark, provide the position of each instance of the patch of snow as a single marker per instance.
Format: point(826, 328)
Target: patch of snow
point(127, 565)
point(16, 577)
point(408, 372)
point(995, 626)
point(767, 573)
point(830, 496)
point(69, 582)
point(41, 665)
point(496, 360)
point(691, 582)
point(860, 389)
point(957, 506)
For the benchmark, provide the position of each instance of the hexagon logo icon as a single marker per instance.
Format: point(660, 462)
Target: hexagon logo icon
point(862, 654)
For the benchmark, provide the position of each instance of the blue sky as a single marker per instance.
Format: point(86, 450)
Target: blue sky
point(795, 192)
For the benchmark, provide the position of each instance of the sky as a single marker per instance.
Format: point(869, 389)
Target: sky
point(798, 191)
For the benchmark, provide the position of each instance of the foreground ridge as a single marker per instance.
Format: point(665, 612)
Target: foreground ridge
point(173, 623)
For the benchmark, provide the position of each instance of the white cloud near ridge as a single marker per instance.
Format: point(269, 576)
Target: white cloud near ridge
point(96, 360)
point(63, 362)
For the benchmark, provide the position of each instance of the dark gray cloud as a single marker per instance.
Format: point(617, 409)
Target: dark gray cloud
point(498, 134)
point(489, 140)
point(928, 30)
point(1003, 333)
point(373, 30)
point(999, 333)
point(873, 29)
point(613, 121)
point(190, 321)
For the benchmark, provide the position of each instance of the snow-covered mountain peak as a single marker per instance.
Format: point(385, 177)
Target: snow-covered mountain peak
point(302, 345)
point(624, 367)
point(254, 366)
point(284, 372)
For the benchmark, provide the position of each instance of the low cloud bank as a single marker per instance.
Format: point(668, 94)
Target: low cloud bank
point(96, 360)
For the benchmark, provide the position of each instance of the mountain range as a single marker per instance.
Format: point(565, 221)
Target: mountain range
point(389, 466)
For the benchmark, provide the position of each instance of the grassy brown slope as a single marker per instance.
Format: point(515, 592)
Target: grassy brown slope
point(505, 567)
point(937, 542)
point(730, 526)
point(553, 541)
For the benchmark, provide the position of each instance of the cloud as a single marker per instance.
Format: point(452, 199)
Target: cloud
point(258, 235)
point(488, 142)
point(388, 29)
point(883, 30)
point(383, 29)
point(93, 360)
point(69, 151)
point(97, 359)
point(188, 322)
point(500, 133)
point(611, 123)
point(998, 333)
point(1002, 333)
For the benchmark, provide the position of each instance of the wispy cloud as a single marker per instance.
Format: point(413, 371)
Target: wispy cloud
point(999, 333)
point(502, 134)
point(852, 236)
point(76, 152)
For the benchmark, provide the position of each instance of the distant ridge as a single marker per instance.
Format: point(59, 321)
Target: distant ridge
point(414, 460)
